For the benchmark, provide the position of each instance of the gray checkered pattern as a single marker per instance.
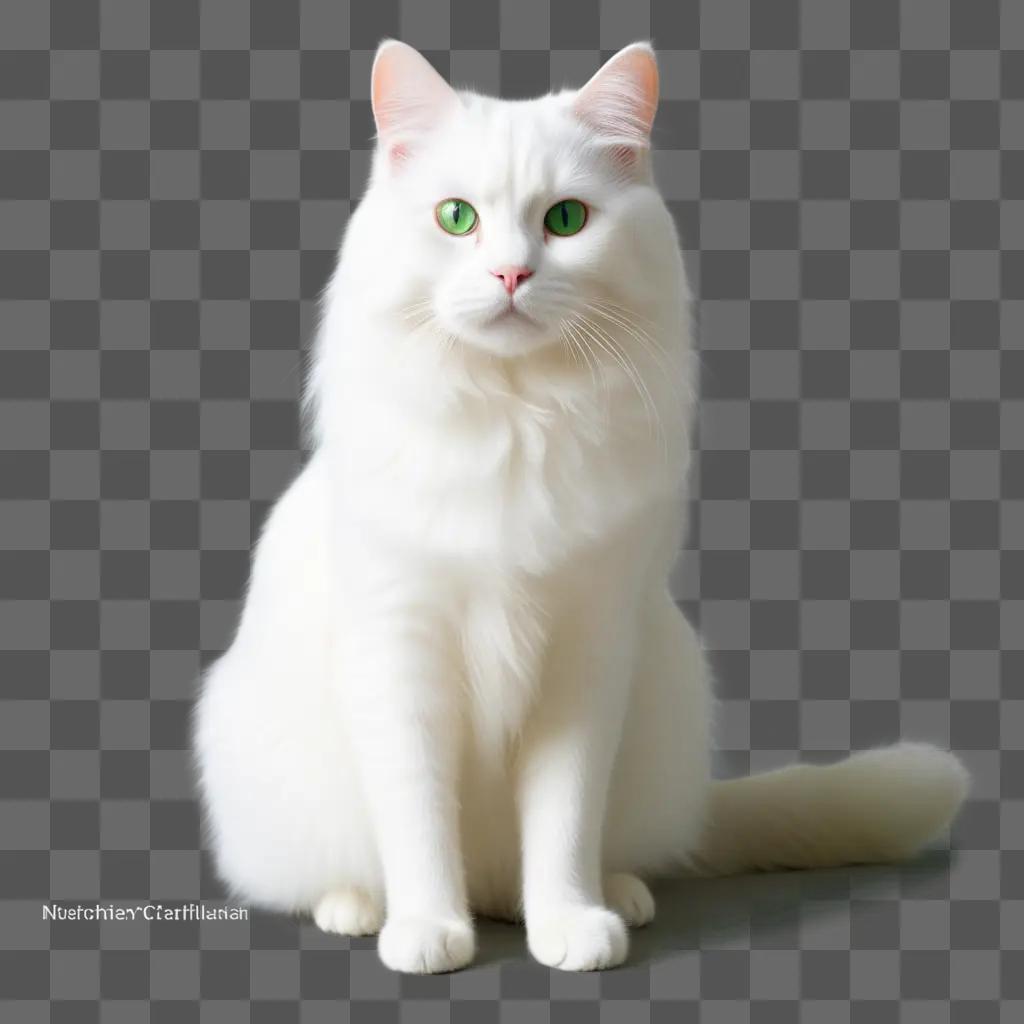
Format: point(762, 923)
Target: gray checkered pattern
point(849, 180)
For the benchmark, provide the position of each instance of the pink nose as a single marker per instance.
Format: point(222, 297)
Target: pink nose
point(512, 276)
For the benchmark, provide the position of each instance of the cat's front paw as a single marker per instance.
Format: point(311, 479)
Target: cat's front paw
point(578, 938)
point(425, 945)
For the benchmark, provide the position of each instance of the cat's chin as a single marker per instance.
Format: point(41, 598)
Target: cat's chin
point(509, 336)
point(512, 348)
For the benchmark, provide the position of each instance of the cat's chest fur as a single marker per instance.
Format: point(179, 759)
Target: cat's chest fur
point(520, 469)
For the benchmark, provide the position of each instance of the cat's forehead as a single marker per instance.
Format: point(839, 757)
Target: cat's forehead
point(510, 148)
point(520, 120)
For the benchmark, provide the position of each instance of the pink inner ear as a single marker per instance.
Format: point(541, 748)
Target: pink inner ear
point(408, 96)
point(386, 92)
point(621, 99)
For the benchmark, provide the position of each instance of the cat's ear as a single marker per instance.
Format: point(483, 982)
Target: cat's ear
point(620, 101)
point(408, 97)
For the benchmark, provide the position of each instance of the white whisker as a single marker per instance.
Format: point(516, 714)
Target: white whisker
point(596, 369)
point(672, 369)
point(609, 344)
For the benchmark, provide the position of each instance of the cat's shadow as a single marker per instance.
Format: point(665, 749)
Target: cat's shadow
point(766, 909)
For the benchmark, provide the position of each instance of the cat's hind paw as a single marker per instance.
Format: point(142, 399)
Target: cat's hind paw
point(579, 938)
point(349, 911)
point(422, 945)
point(630, 898)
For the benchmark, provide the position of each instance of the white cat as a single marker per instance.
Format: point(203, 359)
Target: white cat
point(459, 683)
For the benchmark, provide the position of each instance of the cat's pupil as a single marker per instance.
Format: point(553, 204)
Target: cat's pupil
point(565, 215)
point(456, 212)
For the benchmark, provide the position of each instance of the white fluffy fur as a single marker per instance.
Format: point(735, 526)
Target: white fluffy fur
point(459, 682)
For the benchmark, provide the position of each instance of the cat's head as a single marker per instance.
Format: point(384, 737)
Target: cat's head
point(499, 223)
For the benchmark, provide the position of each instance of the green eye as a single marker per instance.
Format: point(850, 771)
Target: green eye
point(566, 217)
point(456, 216)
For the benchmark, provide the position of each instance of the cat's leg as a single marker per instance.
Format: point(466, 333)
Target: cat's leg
point(624, 893)
point(566, 761)
point(399, 680)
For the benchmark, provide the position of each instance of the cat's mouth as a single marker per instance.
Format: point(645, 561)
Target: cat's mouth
point(509, 315)
point(505, 329)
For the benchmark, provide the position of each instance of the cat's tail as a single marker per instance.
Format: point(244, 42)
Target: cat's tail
point(878, 805)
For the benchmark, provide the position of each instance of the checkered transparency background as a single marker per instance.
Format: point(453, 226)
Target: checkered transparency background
point(849, 182)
